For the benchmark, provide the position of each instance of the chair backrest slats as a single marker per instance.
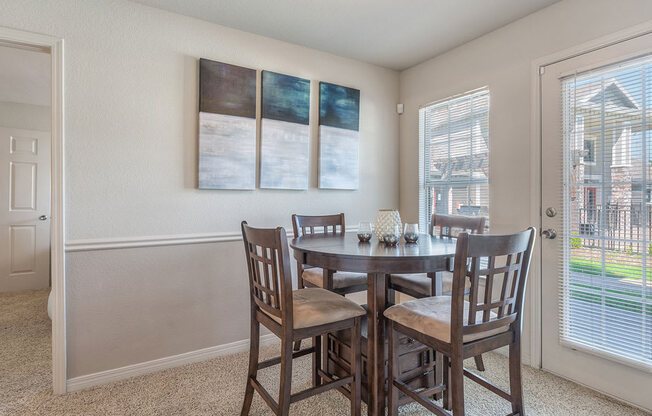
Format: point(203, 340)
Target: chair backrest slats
point(270, 277)
point(502, 261)
point(452, 225)
point(310, 224)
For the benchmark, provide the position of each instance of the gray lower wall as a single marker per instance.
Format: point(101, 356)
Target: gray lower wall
point(127, 306)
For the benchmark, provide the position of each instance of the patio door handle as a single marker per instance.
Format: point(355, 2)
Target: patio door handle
point(549, 233)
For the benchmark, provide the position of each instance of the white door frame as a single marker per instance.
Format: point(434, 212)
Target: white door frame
point(534, 289)
point(54, 46)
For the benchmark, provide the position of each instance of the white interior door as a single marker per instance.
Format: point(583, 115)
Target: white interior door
point(597, 176)
point(24, 209)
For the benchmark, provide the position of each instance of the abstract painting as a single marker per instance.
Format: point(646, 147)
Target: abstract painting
point(339, 141)
point(285, 133)
point(227, 126)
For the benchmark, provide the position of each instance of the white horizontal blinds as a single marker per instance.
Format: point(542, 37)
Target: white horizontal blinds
point(423, 195)
point(456, 155)
point(606, 296)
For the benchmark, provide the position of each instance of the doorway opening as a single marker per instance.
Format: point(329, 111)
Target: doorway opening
point(25, 183)
point(52, 47)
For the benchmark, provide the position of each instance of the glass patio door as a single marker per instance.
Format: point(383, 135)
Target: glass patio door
point(597, 219)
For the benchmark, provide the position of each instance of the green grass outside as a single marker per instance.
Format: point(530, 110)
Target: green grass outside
point(619, 271)
point(626, 272)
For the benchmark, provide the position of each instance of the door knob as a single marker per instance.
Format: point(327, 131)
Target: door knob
point(549, 233)
point(43, 217)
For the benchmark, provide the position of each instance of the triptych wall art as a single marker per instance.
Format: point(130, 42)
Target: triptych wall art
point(227, 126)
point(227, 130)
point(285, 133)
point(339, 109)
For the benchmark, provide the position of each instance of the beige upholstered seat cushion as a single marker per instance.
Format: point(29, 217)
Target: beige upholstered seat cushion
point(431, 316)
point(421, 283)
point(315, 306)
point(315, 275)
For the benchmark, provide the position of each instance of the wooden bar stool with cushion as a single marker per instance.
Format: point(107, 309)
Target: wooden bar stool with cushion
point(336, 281)
point(420, 285)
point(292, 316)
point(461, 329)
point(423, 285)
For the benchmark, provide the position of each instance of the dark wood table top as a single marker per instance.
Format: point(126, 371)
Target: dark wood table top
point(348, 245)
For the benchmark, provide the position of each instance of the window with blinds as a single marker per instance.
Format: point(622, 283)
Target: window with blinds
point(605, 301)
point(454, 157)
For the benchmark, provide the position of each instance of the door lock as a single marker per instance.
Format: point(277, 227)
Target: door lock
point(549, 233)
point(43, 217)
point(551, 212)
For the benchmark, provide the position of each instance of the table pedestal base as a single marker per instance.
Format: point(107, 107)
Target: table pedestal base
point(416, 360)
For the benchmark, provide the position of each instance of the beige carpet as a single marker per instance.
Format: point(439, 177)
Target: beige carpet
point(215, 387)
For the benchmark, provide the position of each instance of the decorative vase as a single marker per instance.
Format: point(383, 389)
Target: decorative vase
point(386, 220)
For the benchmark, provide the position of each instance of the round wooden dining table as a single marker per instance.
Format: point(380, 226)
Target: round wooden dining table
point(343, 252)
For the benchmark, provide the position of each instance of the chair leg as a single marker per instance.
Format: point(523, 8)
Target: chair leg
point(456, 382)
point(297, 344)
point(479, 364)
point(393, 371)
point(515, 383)
point(447, 400)
point(254, 348)
point(286, 377)
point(356, 367)
point(439, 371)
point(316, 361)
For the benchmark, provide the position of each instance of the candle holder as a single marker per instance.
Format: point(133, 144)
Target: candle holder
point(364, 232)
point(411, 233)
point(392, 235)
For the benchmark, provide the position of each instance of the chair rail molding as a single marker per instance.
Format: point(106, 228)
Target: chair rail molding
point(112, 243)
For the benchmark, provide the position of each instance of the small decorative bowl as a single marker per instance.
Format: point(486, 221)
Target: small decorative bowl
point(364, 237)
point(391, 239)
point(411, 238)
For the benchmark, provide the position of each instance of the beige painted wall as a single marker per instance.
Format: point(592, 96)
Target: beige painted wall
point(131, 150)
point(502, 61)
point(24, 116)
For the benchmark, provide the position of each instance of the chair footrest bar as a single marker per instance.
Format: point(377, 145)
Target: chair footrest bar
point(277, 360)
point(327, 378)
point(488, 385)
point(419, 399)
point(320, 389)
point(432, 390)
point(264, 394)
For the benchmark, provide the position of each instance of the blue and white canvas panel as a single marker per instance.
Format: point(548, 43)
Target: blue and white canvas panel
point(339, 163)
point(285, 133)
point(339, 139)
point(227, 152)
point(227, 126)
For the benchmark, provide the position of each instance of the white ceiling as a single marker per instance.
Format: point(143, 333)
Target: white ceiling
point(24, 76)
point(392, 33)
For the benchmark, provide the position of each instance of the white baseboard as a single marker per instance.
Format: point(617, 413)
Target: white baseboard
point(116, 374)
